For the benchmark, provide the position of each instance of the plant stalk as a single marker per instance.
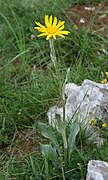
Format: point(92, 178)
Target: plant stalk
point(52, 53)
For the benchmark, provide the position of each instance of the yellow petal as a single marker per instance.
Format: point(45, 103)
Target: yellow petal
point(60, 23)
point(54, 36)
point(55, 22)
point(43, 34)
point(106, 74)
point(48, 36)
point(104, 125)
point(62, 27)
point(64, 32)
point(104, 81)
point(46, 21)
point(61, 35)
point(50, 21)
point(40, 29)
point(39, 24)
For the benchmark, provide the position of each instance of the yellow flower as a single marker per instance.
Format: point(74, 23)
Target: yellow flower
point(106, 73)
point(51, 28)
point(92, 122)
point(104, 81)
point(104, 125)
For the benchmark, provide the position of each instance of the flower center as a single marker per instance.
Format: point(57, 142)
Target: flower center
point(51, 30)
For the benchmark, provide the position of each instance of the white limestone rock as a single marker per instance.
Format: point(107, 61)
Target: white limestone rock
point(97, 170)
point(90, 100)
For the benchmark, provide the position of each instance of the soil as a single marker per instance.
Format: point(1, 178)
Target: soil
point(95, 16)
point(24, 143)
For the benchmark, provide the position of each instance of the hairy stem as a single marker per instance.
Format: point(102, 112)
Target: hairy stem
point(52, 53)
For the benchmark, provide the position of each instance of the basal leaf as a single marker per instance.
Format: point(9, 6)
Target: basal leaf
point(48, 151)
point(47, 132)
point(74, 130)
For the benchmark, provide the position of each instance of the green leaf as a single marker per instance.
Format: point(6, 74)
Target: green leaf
point(61, 128)
point(47, 132)
point(74, 130)
point(48, 151)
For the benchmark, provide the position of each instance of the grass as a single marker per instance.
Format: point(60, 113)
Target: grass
point(28, 88)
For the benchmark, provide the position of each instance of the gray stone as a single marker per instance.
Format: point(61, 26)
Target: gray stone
point(85, 102)
point(97, 170)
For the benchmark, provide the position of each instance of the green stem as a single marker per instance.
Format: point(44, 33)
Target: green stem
point(52, 53)
point(65, 150)
point(62, 168)
point(64, 114)
point(64, 138)
point(54, 61)
point(64, 109)
point(63, 93)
